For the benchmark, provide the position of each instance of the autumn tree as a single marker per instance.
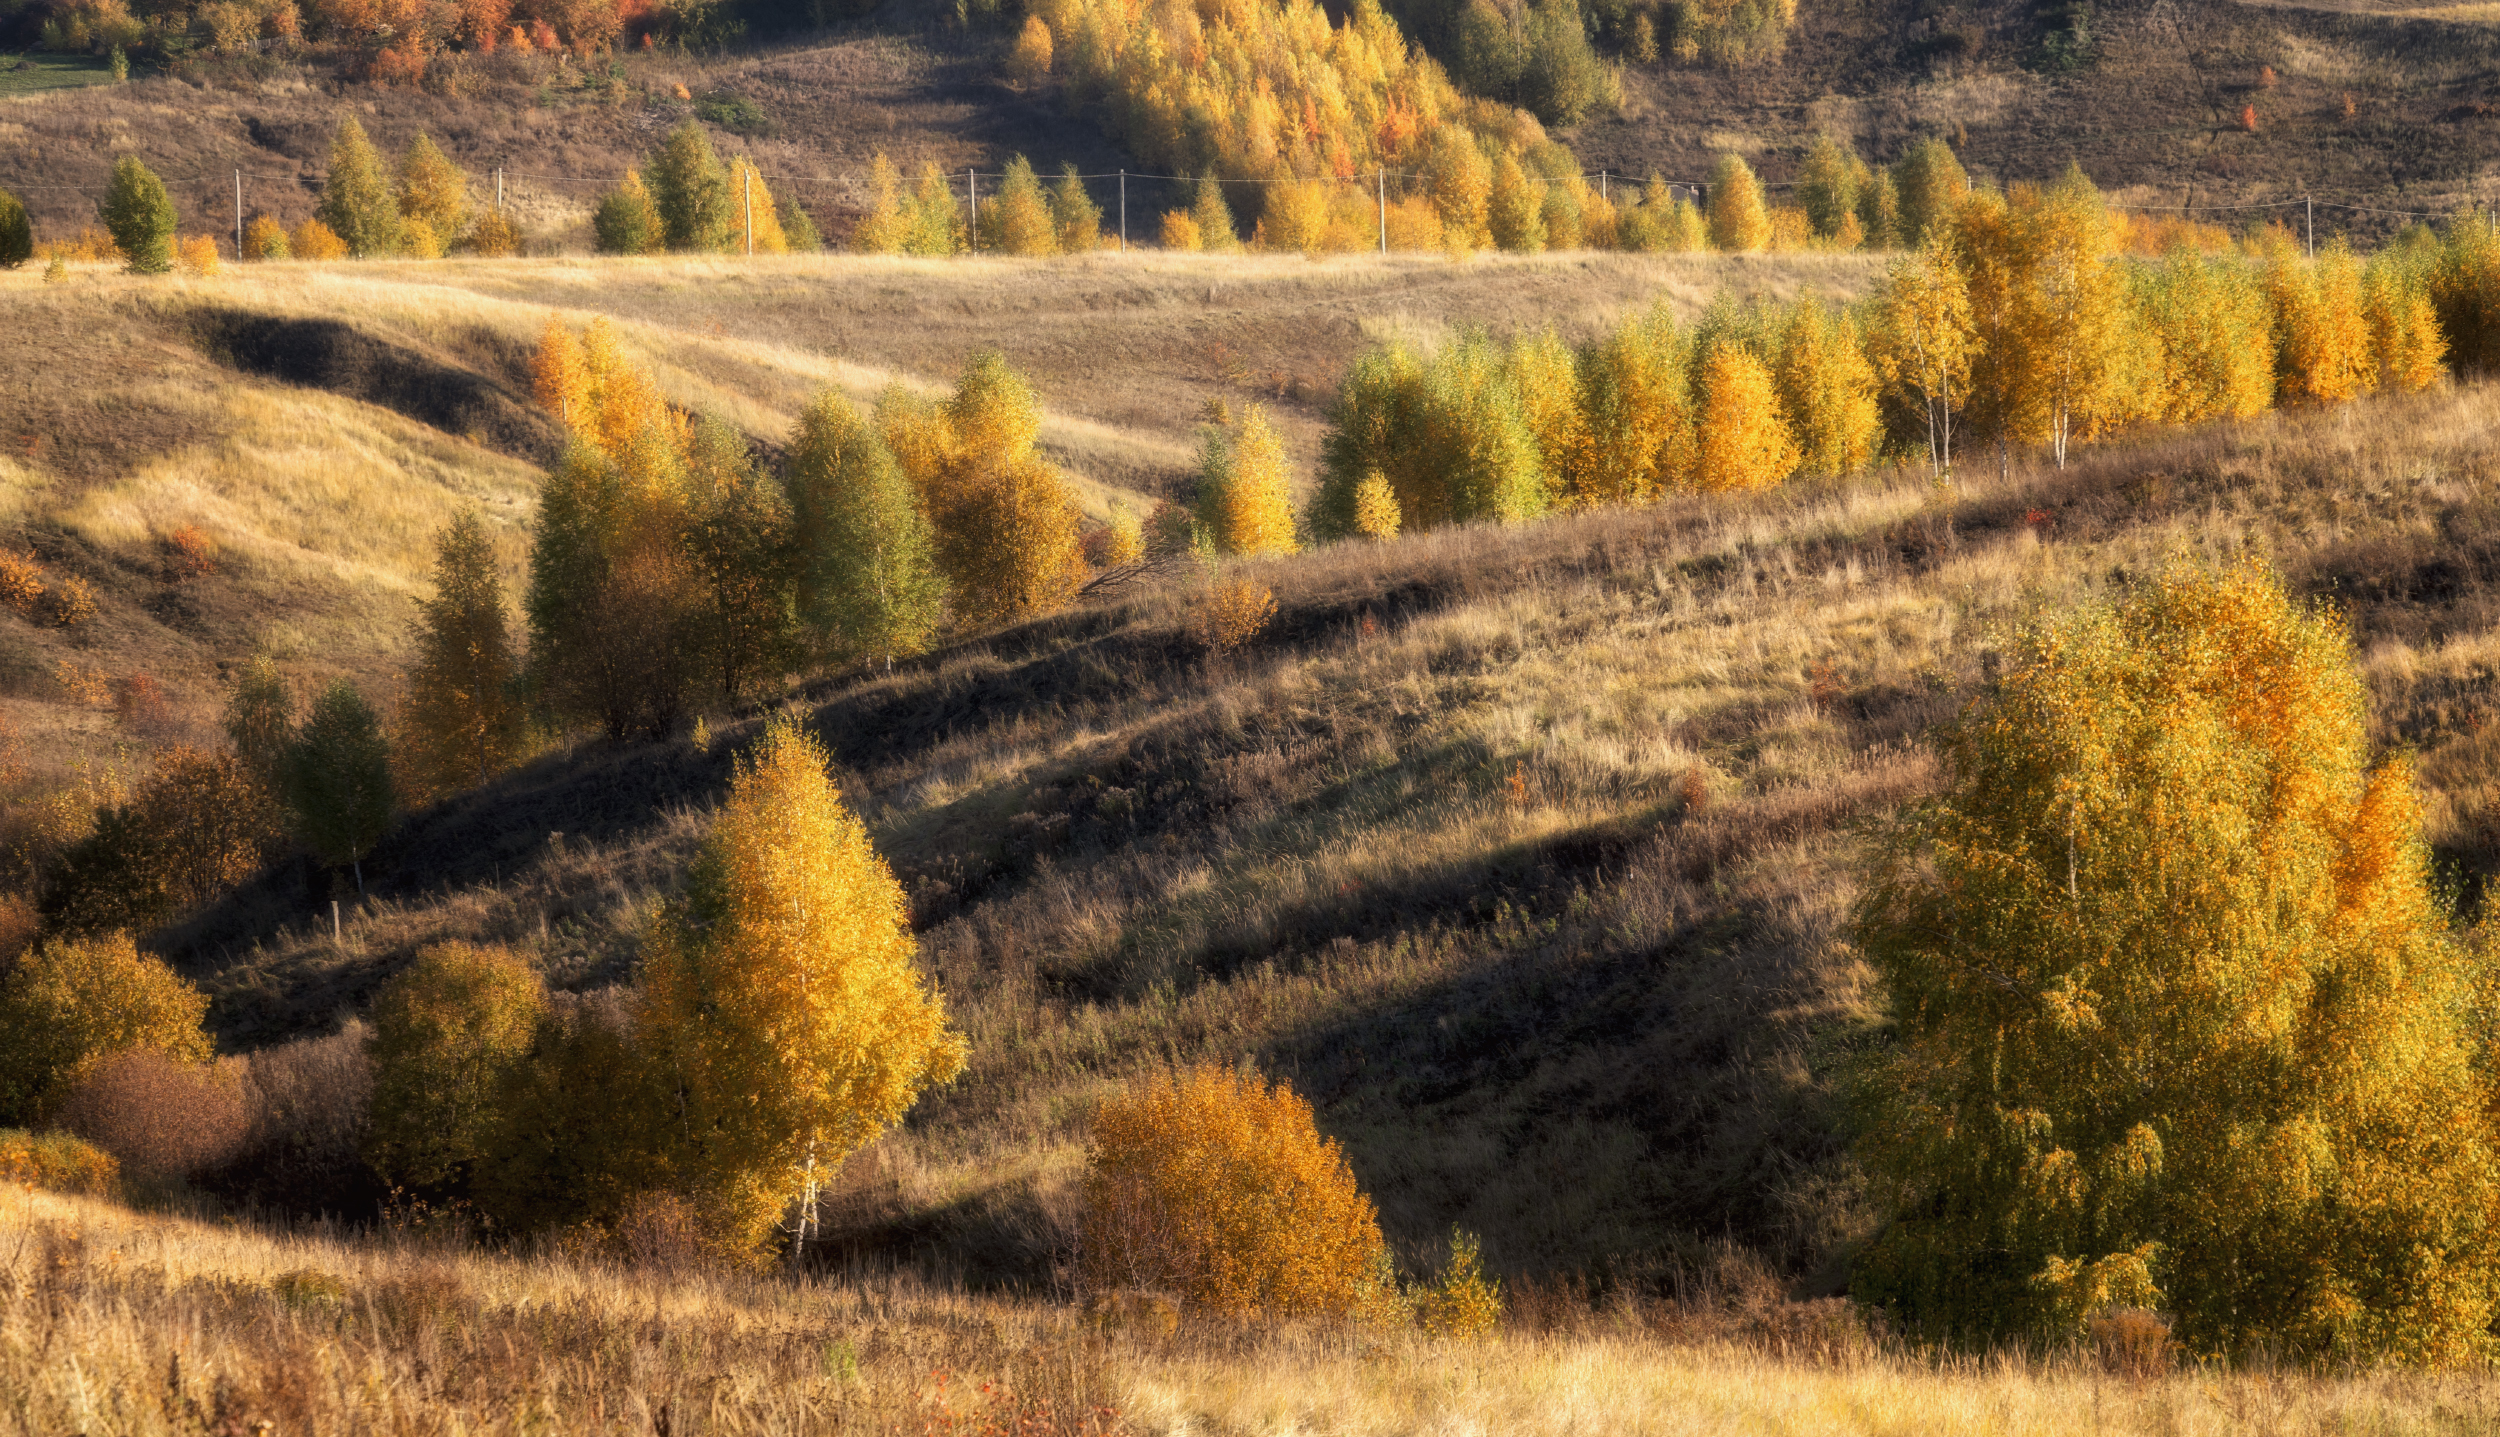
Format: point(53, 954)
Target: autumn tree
point(448, 1032)
point(1074, 215)
point(260, 719)
point(71, 1001)
point(1214, 1185)
point(1879, 213)
point(17, 232)
point(1005, 525)
point(1446, 430)
point(798, 227)
point(433, 198)
point(754, 216)
point(1017, 220)
point(2322, 335)
point(2178, 1021)
point(1636, 407)
point(2077, 309)
point(1245, 494)
point(737, 546)
point(460, 721)
point(1213, 218)
point(140, 217)
point(2208, 332)
point(1930, 184)
point(336, 779)
point(937, 222)
point(1829, 184)
point(2408, 353)
point(781, 995)
point(626, 221)
point(690, 189)
point(2464, 282)
point(1515, 208)
point(265, 238)
point(1461, 181)
point(1743, 441)
point(358, 202)
point(1923, 338)
point(1030, 60)
point(868, 586)
point(196, 827)
point(1739, 221)
point(1828, 390)
point(886, 228)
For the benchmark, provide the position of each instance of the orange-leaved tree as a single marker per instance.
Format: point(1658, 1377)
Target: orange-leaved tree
point(782, 997)
point(2178, 1020)
point(1744, 440)
point(1213, 1185)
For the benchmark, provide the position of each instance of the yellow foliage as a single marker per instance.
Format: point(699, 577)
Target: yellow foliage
point(754, 218)
point(317, 241)
point(1030, 60)
point(1180, 232)
point(2408, 353)
point(1124, 538)
point(197, 255)
point(782, 992)
point(1233, 613)
point(1828, 389)
point(1245, 496)
point(1414, 225)
point(1006, 526)
point(447, 1031)
point(1739, 222)
point(886, 228)
point(264, 238)
point(57, 1162)
point(1744, 440)
point(2322, 337)
point(1464, 1303)
point(74, 1000)
point(1791, 230)
point(1375, 507)
point(1217, 1187)
point(2181, 1021)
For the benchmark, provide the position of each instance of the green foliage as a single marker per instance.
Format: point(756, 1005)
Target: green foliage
point(577, 1130)
point(1214, 218)
point(1445, 430)
point(358, 203)
point(1515, 209)
point(1074, 214)
point(734, 113)
point(140, 216)
point(71, 1001)
point(17, 232)
point(738, 555)
point(627, 222)
point(433, 192)
point(1929, 183)
point(782, 997)
point(868, 586)
point(460, 722)
point(798, 227)
point(449, 1034)
point(1535, 55)
point(690, 189)
point(1830, 185)
point(1729, 32)
point(1879, 212)
point(260, 718)
point(2178, 1020)
point(336, 778)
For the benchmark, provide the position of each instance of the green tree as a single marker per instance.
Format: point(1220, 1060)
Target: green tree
point(738, 547)
point(936, 221)
point(1515, 210)
point(1216, 232)
point(2178, 1022)
point(433, 192)
point(782, 995)
point(798, 228)
point(1879, 212)
point(448, 1033)
point(358, 203)
point(868, 581)
point(70, 1001)
point(17, 232)
point(260, 719)
point(627, 222)
point(460, 722)
point(690, 188)
point(1930, 184)
point(337, 779)
point(1245, 495)
point(140, 216)
point(1075, 215)
point(1829, 184)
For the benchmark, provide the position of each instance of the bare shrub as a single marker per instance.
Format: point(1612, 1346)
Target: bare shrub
point(2131, 1342)
point(306, 1102)
point(662, 1234)
point(165, 1121)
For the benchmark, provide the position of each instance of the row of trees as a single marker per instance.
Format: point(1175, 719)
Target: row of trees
point(2017, 323)
point(399, 34)
point(664, 561)
point(683, 199)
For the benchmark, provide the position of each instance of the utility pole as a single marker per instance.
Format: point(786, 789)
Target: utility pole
point(499, 189)
point(1124, 212)
point(238, 213)
point(972, 187)
point(2309, 225)
point(746, 199)
point(1601, 185)
point(1382, 174)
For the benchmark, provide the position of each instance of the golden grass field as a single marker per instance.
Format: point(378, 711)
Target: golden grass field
point(1526, 854)
point(146, 1325)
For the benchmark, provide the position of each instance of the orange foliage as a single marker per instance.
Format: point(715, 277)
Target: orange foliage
point(1215, 1186)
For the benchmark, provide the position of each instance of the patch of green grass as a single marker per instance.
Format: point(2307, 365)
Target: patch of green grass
point(33, 72)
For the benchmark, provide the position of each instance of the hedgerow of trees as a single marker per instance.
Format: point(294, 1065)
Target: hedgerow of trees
point(684, 200)
point(2019, 322)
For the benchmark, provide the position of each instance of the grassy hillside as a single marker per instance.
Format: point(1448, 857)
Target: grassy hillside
point(179, 1326)
point(1525, 853)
